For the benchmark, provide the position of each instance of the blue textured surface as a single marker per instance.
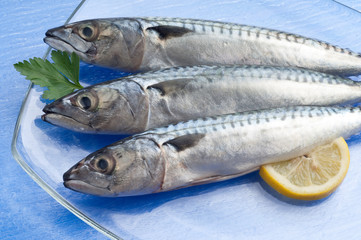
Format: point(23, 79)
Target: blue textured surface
point(26, 210)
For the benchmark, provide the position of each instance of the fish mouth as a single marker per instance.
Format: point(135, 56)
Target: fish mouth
point(71, 180)
point(60, 44)
point(66, 122)
point(87, 188)
point(63, 39)
point(59, 119)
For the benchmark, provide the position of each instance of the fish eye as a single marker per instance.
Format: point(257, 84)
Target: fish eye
point(87, 101)
point(104, 164)
point(88, 32)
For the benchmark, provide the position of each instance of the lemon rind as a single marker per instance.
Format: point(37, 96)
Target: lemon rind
point(282, 185)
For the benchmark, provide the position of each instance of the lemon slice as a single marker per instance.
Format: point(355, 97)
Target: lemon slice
point(312, 176)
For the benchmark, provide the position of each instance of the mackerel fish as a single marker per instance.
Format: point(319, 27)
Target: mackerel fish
point(208, 150)
point(151, 43)
point(139, 102)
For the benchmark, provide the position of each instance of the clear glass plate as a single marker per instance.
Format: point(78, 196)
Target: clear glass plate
point(242, 208)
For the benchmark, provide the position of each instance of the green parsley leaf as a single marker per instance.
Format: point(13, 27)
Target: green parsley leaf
point(60, 77)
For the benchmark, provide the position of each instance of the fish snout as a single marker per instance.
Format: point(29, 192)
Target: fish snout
point(67, 175)
point(62, 113)
point(50, 32)
point(80, 178)
point(72, 172)
point(56, 107)
point(50, 108)
point(59, 33)
point(64, 39)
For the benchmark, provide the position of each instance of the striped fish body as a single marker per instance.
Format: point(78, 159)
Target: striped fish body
point(154, 99)
point(197, 92)
point(140, 44)
point(208, 150)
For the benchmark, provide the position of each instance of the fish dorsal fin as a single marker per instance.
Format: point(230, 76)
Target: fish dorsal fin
point(170, 86)
point(166, 32)
point(187, 141)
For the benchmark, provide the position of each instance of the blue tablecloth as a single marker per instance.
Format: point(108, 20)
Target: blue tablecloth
point(26, 210)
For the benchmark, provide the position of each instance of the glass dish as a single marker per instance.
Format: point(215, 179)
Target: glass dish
point(241, 208)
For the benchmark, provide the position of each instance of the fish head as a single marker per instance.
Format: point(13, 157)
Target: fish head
point(127, 168)
point(98, 109)
point(104, 42)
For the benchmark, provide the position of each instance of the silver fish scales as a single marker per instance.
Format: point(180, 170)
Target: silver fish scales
point(208, 150)
point(143, 101)
point(140, 44)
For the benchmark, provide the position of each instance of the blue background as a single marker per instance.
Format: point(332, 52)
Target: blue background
point(27, 211)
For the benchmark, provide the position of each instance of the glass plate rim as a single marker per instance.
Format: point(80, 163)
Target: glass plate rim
point(35, 177)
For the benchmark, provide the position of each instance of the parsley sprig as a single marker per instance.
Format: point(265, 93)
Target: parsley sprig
point(60, 77)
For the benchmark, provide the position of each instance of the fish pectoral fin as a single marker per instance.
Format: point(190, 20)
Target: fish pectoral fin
point(219, 178)
point(186, 141)
point(166, 32)
point(170, 86)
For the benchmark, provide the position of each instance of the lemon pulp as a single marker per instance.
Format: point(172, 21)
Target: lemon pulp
point(312, 176)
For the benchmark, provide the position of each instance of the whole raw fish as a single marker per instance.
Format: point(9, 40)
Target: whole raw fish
point(208, 150)
point(143, 101)
point(139, 44)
